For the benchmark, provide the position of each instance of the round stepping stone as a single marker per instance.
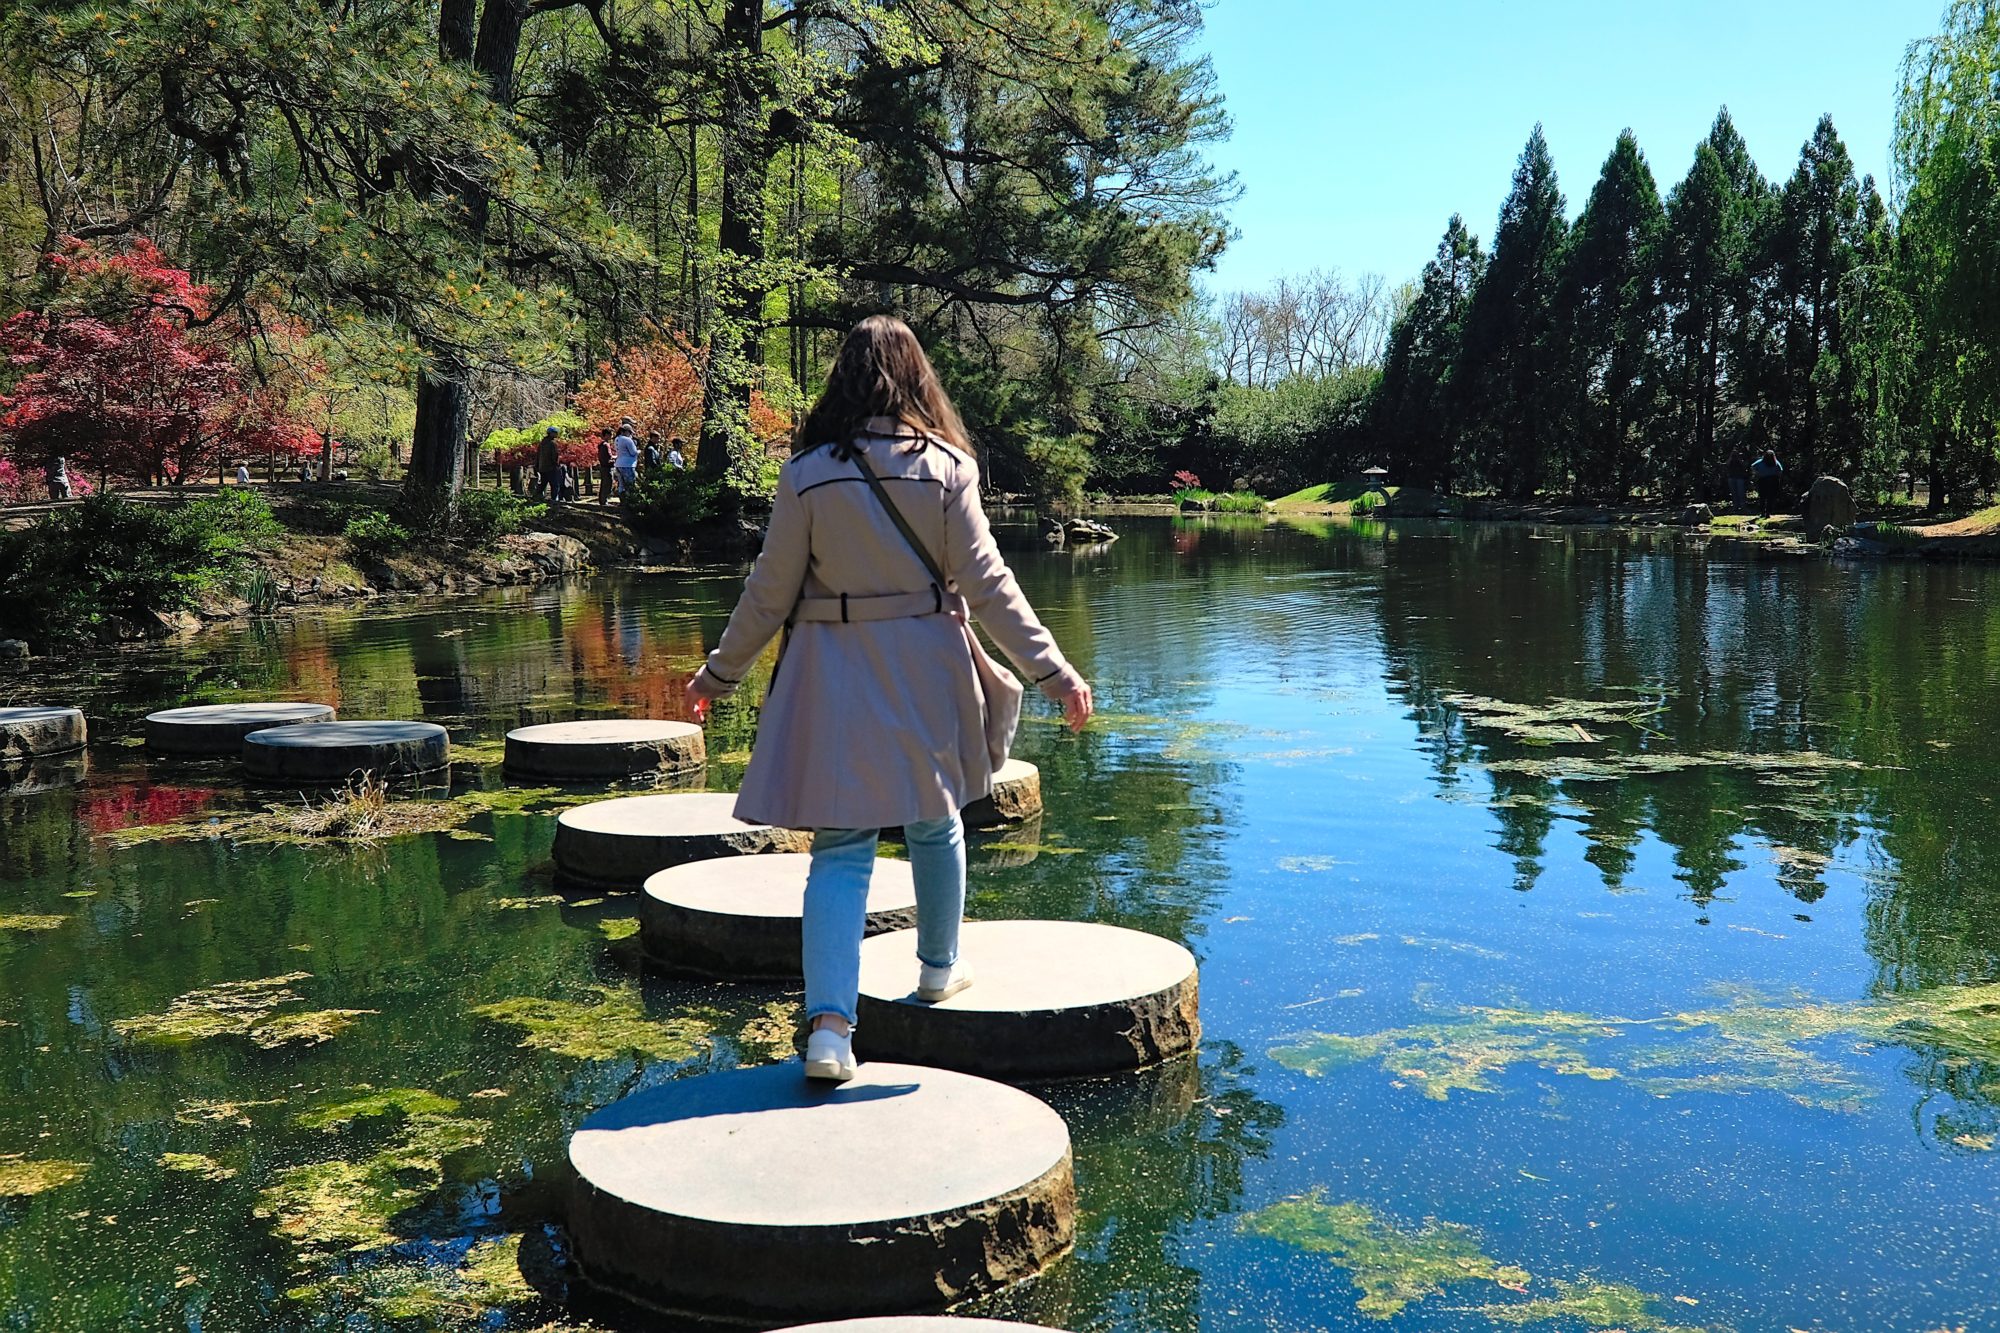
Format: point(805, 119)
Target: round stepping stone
point(618, 844)
point(220, 728)
point(1049, 999)
point(760, 1195)
point(920, 1323)
point(30, 732)
point(1016, 795)
point(320, 753)
point(613, 747)
point(738, 919)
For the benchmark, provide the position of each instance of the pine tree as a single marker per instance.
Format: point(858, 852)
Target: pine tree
point(1515, 398)
point(1612, 324)
point(1415, 409)
point(1707, 275)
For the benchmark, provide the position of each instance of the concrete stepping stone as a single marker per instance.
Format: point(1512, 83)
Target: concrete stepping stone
point(738, 919)
point(920, 1323)
point(616, 845)
point(760, 1195)
point(29, 732)
point(323, 753)
point(220, 728)
point(1049, 999)
point(1016, 795)
point(604, 748)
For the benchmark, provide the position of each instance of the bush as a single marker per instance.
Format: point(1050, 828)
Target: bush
point(84, 571)
point(668, 501)
point(374, 535)
point(484, 517)
point(1240, 502)
point(1367, 502)
point(375, 461)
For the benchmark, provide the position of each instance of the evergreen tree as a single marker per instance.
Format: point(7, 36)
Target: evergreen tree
point(1511, 366)
point(1415, 409)
point(1612, 315)
point(1714, 218)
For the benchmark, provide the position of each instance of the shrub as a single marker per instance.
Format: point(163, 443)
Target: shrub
point(1367, 502)
point(84, 571)
point(374, 535)
point(486, 516)
point(668, 501)
point(1240, 502)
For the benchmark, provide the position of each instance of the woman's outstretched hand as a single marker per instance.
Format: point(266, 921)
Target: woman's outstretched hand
point(700, 693)
point(1077, 704)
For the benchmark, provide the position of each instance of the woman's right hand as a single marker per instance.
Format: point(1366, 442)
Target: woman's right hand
point(1075, 698)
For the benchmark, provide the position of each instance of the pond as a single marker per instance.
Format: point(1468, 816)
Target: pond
point(1598, 930)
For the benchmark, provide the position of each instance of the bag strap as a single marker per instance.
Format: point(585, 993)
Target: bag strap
point(938, 580)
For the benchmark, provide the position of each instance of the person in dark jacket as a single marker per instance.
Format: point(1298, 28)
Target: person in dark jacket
point(1737, 473)
point(548, 465)
point(1769, 475)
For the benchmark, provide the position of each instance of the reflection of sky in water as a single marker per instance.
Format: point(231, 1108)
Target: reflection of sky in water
point(1280, 779)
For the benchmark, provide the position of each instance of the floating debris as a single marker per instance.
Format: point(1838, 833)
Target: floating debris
point(242, 1009)
point(357, 815)
point(1391, 1266)
point(1557, 722)
point(613, 1027)
point(23, 1177)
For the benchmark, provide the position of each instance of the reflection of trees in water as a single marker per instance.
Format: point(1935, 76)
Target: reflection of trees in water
point(1157, 1154)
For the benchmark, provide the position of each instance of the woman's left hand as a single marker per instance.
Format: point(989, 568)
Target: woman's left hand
point(701, 692)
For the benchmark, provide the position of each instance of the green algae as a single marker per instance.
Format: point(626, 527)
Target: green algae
point(24, 1177)
point(247, 1009)
point(1592, 1305)
point(1031, 849)
point(373, 1102)
point(196, 1164)
point(1803, 770)
point(28, 921)
point(1746, 1044)
point(1392, 1266)
point(524, 904)
point(342, 1205)
point(773, 1033)
point(613, 1027)
point(1557, 722)
point(618, 928)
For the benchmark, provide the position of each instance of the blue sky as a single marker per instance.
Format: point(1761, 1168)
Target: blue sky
point(1361, 127)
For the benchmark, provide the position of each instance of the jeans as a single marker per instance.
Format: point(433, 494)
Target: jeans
point(836, 912)
point(1739, 491)
point(627, 479)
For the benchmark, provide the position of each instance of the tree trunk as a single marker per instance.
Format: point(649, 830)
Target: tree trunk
point(437, 453)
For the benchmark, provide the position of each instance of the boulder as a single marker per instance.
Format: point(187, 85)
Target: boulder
point(13, 650)
point(1697, 516)
point(1829, 504)
point(1083, 532)
point(1052, 531)
point(1194, 506)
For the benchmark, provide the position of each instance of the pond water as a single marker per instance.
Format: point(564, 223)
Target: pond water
point(1597, 931)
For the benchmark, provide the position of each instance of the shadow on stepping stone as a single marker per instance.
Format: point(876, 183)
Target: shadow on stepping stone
point(759, 1195)
point(1049, 999)
point(219, 729)
point(738, 919)
point(614, 846)
point(604, 749)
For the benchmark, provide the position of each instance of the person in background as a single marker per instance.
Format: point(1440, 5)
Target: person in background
point(604, 467)
point(625, 461)
point(57, 478)
point(881, 721)
point(242, 473)
point(1737, 472)
point(653, 456)
point(674, 458)
point(1769, 474)
point(548, 465)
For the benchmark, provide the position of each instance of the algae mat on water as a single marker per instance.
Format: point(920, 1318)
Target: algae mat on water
point(1395, 1266)
point(246, 1008)
point(1749, 1043)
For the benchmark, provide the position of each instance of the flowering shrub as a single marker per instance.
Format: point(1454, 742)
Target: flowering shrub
point(1185, 480)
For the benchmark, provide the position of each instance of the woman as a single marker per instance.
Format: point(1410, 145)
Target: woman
point(876, 716)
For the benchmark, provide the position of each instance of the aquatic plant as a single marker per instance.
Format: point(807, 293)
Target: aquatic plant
point(342, 1205)
point(196, 1164)
point(1392, 1266)
point(28, 921)
point(773, 1034)
point(618, 928)
point(1593, 1305)
point(1557, 722)
point(615, 1026)
point(242, 1009)
point(22, 1177)
point(374, 1102)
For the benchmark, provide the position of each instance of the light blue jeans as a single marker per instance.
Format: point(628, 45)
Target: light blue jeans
point(836, 918)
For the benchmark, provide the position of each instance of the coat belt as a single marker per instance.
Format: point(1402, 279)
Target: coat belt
point(891, 606)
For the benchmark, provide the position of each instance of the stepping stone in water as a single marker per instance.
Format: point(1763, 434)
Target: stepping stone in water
point(1016, 795)
point(1049, 999)
point(220, 728)
point(617, 845)
point(920, 1323)
point(603, 748)
point(326, 753)
point(738, 919)
point(760, 1195)
point(31, 732)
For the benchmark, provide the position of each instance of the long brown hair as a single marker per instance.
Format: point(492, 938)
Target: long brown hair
point(881, 372)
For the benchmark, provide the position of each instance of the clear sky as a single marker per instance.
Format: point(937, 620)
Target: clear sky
point(1362, 125)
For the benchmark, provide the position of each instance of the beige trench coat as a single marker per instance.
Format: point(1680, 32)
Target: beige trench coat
point(874, 723)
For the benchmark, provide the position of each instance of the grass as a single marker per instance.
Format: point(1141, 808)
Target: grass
point(1240, 502)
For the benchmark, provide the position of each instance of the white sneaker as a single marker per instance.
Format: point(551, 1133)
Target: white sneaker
point(941, 983)
point(830, 1055)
